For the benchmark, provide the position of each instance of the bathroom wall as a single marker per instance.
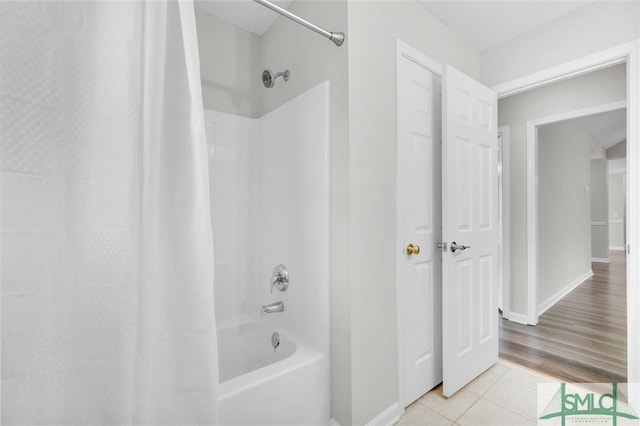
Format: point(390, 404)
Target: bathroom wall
point(589, 29)
point(599, 210)
point(229, 59)
point(564, 209)
point(605, 86)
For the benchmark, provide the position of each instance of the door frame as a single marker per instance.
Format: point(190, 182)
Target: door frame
point(404, 50)
point(505, 240)
point(625, 53)
point(533, 309)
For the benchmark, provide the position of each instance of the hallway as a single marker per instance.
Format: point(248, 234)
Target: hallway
point(582, 338)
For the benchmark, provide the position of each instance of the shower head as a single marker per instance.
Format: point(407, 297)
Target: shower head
point(269, 78)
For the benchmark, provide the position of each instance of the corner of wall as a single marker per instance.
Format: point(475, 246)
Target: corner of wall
point(592, 28)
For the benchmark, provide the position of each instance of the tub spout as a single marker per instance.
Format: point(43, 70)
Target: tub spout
point(271, 308)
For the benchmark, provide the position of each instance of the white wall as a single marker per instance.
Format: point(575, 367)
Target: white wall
point(590, 90)
point(617, 206)
point(599, 209)
point(589, 29)
point(229, 59)
point(564, 208)
point(616, 156)
point(373, 30)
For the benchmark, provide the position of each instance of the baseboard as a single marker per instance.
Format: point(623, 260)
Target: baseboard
point(388, 417)
point(543, 307)
point(600, 259)
point(519, 318)
point(333, 422)
point(617, 248)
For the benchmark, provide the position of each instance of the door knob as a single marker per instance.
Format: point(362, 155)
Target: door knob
point(460, 247)
point(411, 249)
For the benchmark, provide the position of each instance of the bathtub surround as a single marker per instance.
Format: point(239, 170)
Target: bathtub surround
point(270, 206)
point(107, 305)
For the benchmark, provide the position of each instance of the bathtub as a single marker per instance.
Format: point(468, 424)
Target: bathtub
point(260, 386)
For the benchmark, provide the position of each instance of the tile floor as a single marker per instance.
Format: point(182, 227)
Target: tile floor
point(504, 395)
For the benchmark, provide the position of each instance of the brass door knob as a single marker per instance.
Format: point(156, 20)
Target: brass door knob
point(411, 249)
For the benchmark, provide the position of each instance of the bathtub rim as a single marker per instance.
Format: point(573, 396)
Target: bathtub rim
point(301, 357)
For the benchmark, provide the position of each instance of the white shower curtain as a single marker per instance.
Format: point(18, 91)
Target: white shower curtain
point(107, 253)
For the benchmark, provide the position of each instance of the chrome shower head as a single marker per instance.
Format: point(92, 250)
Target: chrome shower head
point(269, 78)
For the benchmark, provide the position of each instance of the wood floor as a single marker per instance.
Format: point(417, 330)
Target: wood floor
point(583, 337)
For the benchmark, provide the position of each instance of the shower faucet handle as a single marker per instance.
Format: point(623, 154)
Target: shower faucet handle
point(280, 278)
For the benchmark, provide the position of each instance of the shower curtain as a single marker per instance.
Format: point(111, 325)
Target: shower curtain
point(107, 252)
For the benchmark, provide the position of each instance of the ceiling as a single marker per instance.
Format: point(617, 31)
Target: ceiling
point(246, 14)
point(483, 23)
point(486, 24)
point(607, 128)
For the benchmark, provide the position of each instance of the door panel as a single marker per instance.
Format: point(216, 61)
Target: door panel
point(419, 223)
point(469, 217)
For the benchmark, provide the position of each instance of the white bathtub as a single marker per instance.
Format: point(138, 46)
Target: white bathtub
point(260, 386)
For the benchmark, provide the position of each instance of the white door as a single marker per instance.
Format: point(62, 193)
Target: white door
point(419, 224)
point(469, 218)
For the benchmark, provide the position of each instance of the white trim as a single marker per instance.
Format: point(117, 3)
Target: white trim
point(388, 417)
point(513, 317)
point(616, 221)
point(618, 171)
point(506, 219)
point(617, 248)
point(599, 223)
point(613, 106)
point(544, 306)
point(600, 259)
point(532, 195)
point(532, 224)
point(333, 422)
point(633, 225)
point(575, 68)
point(413, 54)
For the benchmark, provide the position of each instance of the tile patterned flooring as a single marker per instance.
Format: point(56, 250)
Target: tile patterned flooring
point(505, 394)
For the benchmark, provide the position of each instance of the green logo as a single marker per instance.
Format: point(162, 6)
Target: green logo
point(583, 403)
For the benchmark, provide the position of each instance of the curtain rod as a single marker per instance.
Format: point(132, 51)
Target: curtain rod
point(337, 38)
